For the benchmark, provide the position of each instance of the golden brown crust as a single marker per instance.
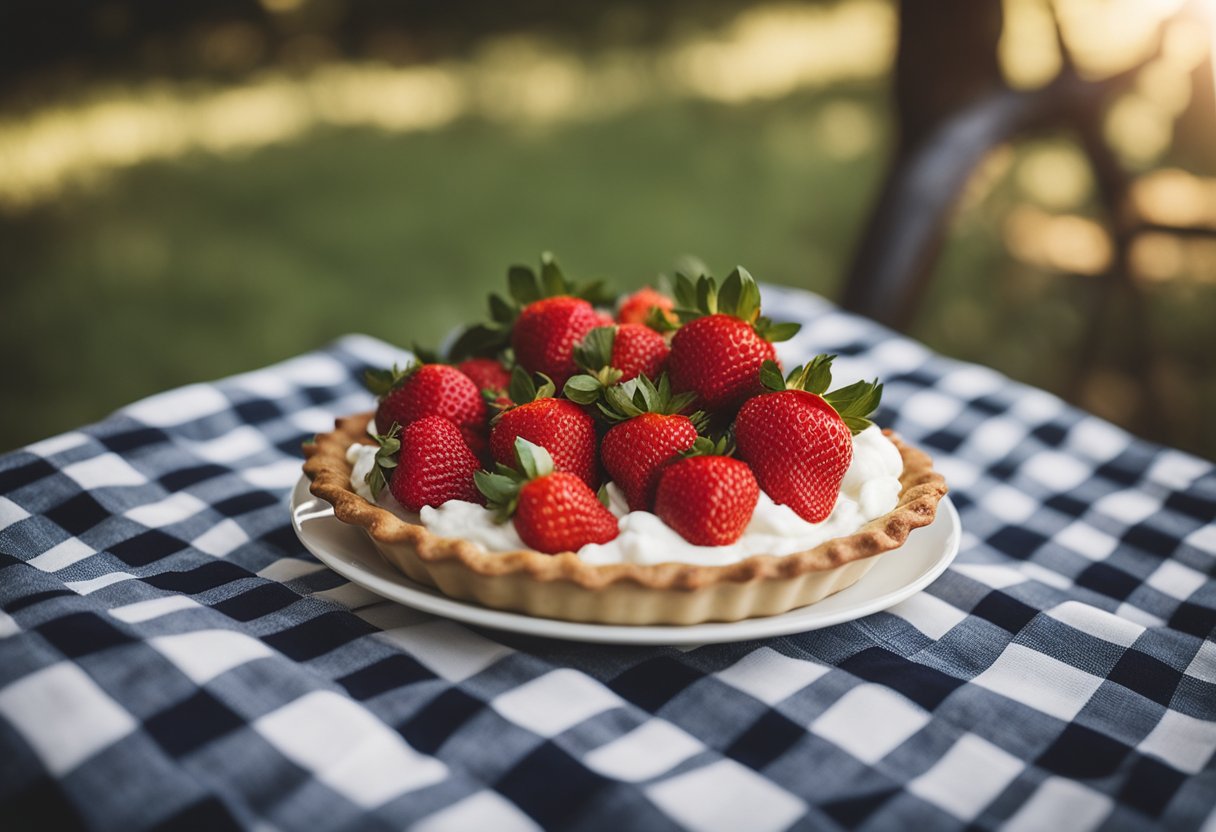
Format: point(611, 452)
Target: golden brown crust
point(327, 467)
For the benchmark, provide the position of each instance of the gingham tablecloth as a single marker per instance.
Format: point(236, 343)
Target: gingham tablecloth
point(171, 656)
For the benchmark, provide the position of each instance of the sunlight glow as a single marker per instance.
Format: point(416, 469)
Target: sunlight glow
point(1164, 257)
point(1066, 243)
point(765, 52)
point(1141, 124)
point(1157, 256)
point(282, 6)
point(846, 130)
point(1139, 129)
point(1028, 52)
point(769, 52)
point(1056, 175)
point(1175, 197)
point(1106, 36)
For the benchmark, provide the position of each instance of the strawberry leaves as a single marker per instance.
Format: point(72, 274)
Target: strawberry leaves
point(593, 354)
point(502, 487)
point(501, 310)
point(770, 376)
point(708, 446)
point(386, 459)
point(853, 403)
point(527, 286)
point(480, 340)
point(776, 332)
point(425, 355)
point(524, 388)
point(524, 286)
point(700, 297)
point(586, 389)
point(488, 339)
point(532, 460)
point(815, 377)
point(737, 296)
point(501, 490)
point(641, 395)
point(382, 382)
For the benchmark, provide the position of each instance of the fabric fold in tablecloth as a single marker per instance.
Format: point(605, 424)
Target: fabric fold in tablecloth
point(169, 652)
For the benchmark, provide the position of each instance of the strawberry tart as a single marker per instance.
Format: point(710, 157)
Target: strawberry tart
point(652, 466)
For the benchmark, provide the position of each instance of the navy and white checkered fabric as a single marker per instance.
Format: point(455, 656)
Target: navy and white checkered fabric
point(170, 656)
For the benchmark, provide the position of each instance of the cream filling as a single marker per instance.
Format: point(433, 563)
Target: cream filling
point(362, 459)
point(870, 489)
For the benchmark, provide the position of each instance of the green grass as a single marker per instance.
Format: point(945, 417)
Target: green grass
point(173, 273)
point(178, 272)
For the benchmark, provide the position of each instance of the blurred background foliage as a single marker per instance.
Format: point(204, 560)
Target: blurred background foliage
point(193, 189)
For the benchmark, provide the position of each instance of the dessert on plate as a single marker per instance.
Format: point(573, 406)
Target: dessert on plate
point(648, 465)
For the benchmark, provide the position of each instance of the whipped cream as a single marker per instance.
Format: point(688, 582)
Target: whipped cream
point(870, 489)
point(362, 459)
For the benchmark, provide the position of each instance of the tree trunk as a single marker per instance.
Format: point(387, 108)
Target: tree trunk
point(947, 58)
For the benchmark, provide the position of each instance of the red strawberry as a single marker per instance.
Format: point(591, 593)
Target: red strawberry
point(634, 452)
point(800, 441)
point(636, 308)
point(718, 356)
point(545, 334)
point(559, 513)
point(486, 373)
point(479, 443)
point(559, 425)
point(709, 500)
point(493, 379)
point(422, 390)
point(650, 431)
point(638, 351)
point(427, 464)
point(543, 317)
point(627, 351)
point(554, 511)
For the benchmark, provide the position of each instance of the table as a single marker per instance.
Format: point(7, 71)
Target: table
point(171, 656)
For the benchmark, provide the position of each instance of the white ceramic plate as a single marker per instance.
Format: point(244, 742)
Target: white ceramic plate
point(898, 574)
